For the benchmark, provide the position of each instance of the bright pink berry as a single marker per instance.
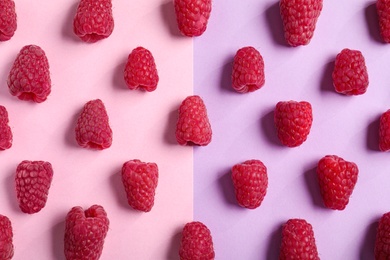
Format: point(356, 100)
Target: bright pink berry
point(85, 232)
point(382, 242)
point(250, 182)
point(141, 71)
point(196, 242)
point(350, 75)
point(93, 20)
point(5, 130)
point(29, 78)
point(248, 70)
point(299, 20)
point(383, 9)
point(193, 126)
point(293, 122)
point(33, 180)
point(384, 132)
point(140, 181)
point(92, 128)
point(6, 237)
point(337, 179)
point(298, 241)
point(8, 19)
point(192, 16)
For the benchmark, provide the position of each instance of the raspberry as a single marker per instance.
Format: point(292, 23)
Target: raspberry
point(383, 9)
point(298, 241)
point(5, 130)
point(384, 132)
point(92, 128)
point(337, 179)
point(141, 71)
point(382, 242)
point(8, 23)
point(350, 75)
point(293, 121)
point(6, 236)
point(299, 20)
point(248, 70)
point(193, 126)
point(192, 16)
point(85, 232)
point(140, 182)
point(196, 242)
point(93, 20)
point(33, 179)
point(29, 78)
point(250, 182)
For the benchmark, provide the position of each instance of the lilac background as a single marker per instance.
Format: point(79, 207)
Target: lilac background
point(243, 129)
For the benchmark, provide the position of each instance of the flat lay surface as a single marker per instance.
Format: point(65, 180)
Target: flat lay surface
point(143, 126)
point(243, 129)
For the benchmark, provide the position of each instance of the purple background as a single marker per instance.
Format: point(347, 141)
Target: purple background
point(243, 129)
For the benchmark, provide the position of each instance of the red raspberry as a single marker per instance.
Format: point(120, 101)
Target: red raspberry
point(299, 20)
point(350, 75)
point(293, 121)
point(193, 126)
point(93, 20)
point(196, 242)
point(298, 241)
point(85, 232)
point(29, 78)
point(192, 16)
point(337, 179)
point(141, 71)
point(92, 128)
point(383, 9)
point(248, 70)
point(250, 182)
point(5, 130)
point(33, 179)
point(382, 242)
point(8, 23)
point(6, 236)
point(384, 132)
point(140, 180)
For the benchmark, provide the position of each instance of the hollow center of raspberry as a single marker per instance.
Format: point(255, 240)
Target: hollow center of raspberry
point(95, 146)
point(90, 213)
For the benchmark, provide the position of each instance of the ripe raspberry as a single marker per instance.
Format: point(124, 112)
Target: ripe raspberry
point(250, 182)
point(383, 9)
point(337, 179)
point(141, 71)
point(293, 121)
point(93, 20)
point(29, 78)
point(192, 16)
point(196, 242)
point(248, 70)
point(382, 242)
point(299, 20)
point(6, 236)
point(298, 241)
point(92, 128)
point(384, 132)
point(8, 23)
point(5, 130)
point(85, 232)
point(193, 126)
point(33, 179)
point(140, 181)
point(350, 75)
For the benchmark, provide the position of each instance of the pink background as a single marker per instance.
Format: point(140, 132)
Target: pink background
point(243, 129)
point(143, 126)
